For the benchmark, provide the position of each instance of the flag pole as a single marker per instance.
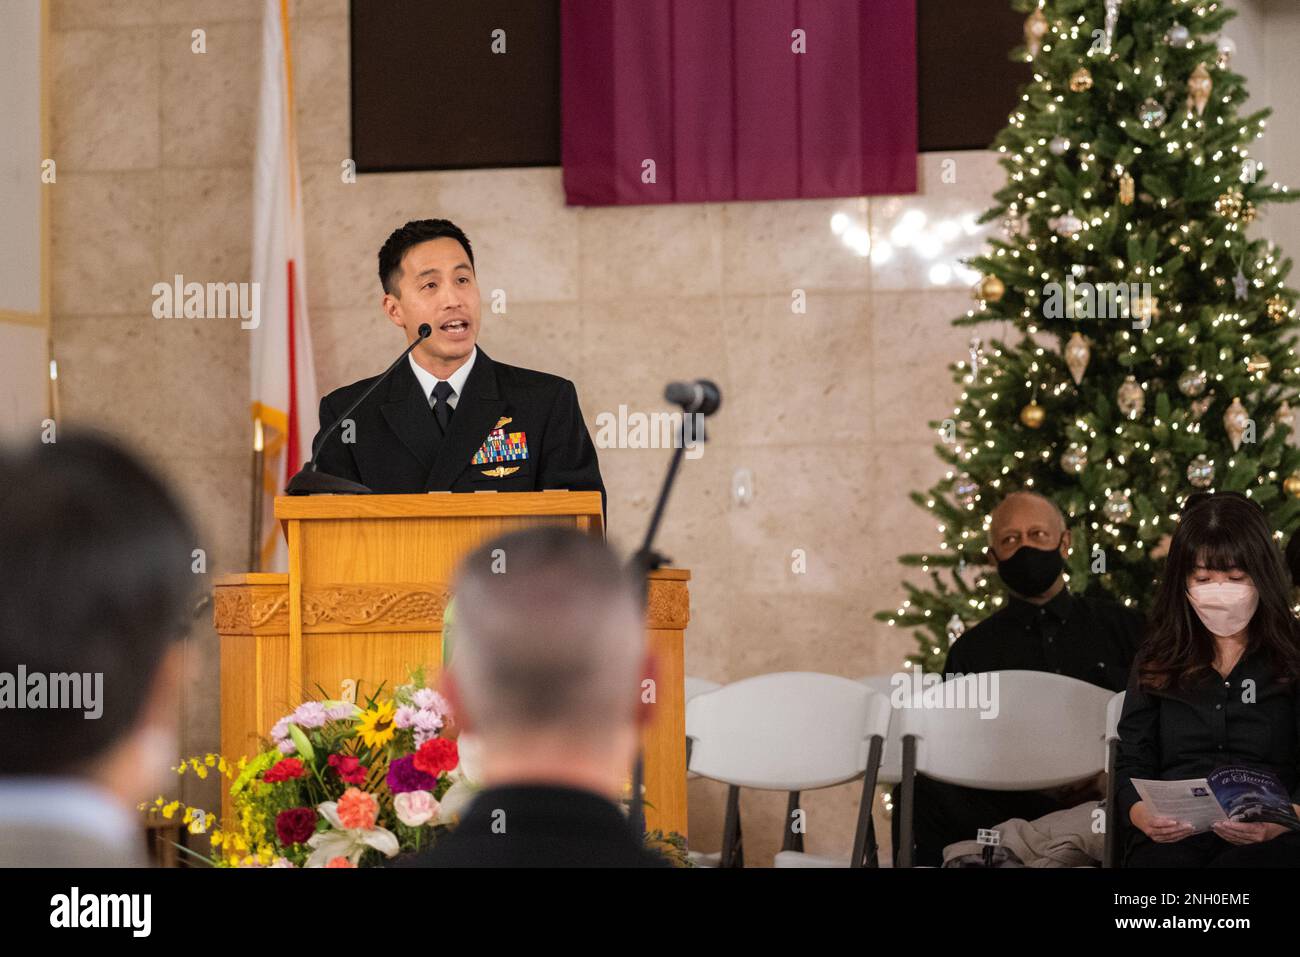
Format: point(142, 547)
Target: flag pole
point(255, 519)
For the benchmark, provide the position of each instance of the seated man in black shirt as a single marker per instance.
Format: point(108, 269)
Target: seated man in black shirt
point(1042, 627)
point(1214, 686)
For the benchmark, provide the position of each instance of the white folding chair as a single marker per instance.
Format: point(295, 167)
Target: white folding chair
point(891, 762)
point(792, 731)
point(1044, 734)
point(1114, 708)
point(694, 687)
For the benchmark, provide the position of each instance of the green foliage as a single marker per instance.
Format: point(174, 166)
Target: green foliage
point(1179, 236)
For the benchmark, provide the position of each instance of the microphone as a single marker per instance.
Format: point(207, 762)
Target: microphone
point(309, 481)
point(700, 396)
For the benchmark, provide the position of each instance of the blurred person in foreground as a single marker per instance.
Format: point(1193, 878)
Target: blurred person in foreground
point(546, 677)
point(1214, 685)
point(96, 590)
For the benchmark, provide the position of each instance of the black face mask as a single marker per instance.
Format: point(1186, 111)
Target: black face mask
point(1031, 571)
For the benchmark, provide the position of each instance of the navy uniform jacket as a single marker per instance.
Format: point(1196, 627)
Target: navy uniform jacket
point(538, 438)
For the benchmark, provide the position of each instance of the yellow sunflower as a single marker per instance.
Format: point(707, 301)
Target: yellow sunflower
point(377, 727)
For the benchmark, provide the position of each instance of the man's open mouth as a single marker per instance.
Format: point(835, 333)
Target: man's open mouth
point(454, 325)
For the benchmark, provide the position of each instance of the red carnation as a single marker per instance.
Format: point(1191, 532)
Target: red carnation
point(437, 755)
point(285, 770)
point(296, 825)
point(349, 768)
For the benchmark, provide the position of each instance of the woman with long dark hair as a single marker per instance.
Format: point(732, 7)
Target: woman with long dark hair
point(1214, 685)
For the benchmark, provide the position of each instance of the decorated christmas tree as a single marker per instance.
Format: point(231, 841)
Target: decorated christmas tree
point(1152, 354)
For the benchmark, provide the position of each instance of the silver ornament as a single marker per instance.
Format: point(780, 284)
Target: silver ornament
point(1200, 472)
point(965, 489)
point(1178, 35)
point(1193, 382)
point(955, 628)
point(1074, 459)
point(1058, 145)
point(1240, 286)
point(1132, 400)
point(1152, 113)
point(1112, 21)
point(1227, 48)
point(1067, 225)
point(1118, 508)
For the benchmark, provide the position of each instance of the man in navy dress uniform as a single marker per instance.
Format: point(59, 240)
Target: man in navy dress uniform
point(451, 418)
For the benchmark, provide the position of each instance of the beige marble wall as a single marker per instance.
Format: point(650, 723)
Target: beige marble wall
point(827, 408)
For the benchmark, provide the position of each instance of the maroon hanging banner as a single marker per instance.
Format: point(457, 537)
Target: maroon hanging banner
point(687, 101)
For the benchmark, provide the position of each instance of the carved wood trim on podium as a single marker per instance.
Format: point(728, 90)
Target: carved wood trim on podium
point(331, 608)
point(364, 601)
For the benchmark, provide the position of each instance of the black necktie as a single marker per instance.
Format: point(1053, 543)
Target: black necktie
point(442, 391)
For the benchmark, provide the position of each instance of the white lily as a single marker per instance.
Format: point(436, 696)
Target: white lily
point(341, 842)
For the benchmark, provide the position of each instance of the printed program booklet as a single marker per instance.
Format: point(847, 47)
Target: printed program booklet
point(1228, 794)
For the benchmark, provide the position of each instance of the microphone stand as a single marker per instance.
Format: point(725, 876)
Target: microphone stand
point(309, 481)
point(644, 561)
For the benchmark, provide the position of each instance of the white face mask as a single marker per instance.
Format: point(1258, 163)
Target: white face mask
point(1225, 608)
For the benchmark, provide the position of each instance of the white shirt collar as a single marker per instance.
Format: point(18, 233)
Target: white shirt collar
point(457, 379)
point(67, 804)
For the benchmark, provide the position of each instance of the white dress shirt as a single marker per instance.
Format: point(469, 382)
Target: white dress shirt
point(457, 379)
point(66, 803)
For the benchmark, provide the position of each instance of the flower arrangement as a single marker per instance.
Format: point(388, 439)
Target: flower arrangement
point(337, 786)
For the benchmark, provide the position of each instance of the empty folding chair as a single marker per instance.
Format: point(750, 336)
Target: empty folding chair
point(1044, 734)
point(696, 686)
point(1114, 708)
point(793, 732)
point(891, 762)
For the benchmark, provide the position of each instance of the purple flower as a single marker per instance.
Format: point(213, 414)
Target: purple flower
point(342, 711)
point(280, 735)
point(404, 776)
point(309, 714)
point(404, 716)
point(427, 721)
point(426, 699)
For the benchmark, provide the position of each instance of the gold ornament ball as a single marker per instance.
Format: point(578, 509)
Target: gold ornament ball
point(1081, 80)
point(1278, 309)
point(1230, 204)
point(991, 289)
point(1292, 485)
point(1032, 415)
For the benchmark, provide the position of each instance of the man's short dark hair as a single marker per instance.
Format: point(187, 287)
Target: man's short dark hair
point(412, 234)
point(96, 576)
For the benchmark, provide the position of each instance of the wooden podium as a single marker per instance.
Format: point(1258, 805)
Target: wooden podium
point(363, 601)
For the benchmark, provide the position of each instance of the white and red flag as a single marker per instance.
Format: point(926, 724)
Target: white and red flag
point(283, 376)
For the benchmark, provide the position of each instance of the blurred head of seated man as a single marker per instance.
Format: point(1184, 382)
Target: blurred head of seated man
point(96, 591)
point(545, 675)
